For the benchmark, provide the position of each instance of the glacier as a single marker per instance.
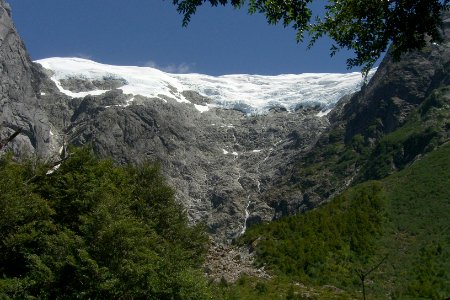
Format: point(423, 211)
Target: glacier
point(251, 94)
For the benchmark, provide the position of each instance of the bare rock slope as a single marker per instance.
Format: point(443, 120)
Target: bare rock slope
point(219, 161)
point(224, 164)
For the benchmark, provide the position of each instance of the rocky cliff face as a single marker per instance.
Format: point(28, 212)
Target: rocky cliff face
point(219, 161)
point(358, 123)
point(21, 83)
point(225, 165)
point(397, 88)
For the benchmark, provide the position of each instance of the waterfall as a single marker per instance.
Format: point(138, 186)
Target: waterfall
point(247, 214)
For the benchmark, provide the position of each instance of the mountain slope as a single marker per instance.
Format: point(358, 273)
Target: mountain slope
point(344, 152)
point(20, 81)
point(399, 136)
point(259, 160)
point(218, 138)
point(407, 232)
point(221, 141)
point(231, 169)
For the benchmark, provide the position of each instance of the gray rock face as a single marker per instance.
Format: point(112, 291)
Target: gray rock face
point(21, 104)
point(381, 107)
point(220, 162)
point(76, 84)
point(398, 87)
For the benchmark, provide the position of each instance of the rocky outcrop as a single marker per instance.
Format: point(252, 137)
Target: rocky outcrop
point(22, 89)
point(76, 84)
point(228, 263)
point(382, 106)
point(397, 88)
point(220, 161)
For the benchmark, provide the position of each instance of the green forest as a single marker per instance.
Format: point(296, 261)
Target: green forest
point(400, 222)
point(94, 230)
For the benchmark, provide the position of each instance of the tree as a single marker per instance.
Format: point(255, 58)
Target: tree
point(93, 230)
point(362, 274)
point(366, 27)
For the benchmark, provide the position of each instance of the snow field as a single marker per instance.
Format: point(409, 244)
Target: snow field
point(252, 94)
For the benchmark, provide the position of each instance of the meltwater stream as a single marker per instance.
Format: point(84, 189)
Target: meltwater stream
point(247, 214)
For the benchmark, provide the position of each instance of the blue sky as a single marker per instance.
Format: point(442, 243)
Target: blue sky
point(149, 33)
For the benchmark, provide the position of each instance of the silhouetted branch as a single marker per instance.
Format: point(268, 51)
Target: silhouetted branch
point(4, 142)
point(363, 274)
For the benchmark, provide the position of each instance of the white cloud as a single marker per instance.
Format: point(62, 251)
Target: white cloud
point(172, 68)
point(82, 55)
point(151, 64)
point(181, 68)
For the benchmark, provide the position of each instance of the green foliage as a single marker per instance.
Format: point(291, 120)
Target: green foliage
point(367, 27)
point(371, 154)
point(419, 206)
point(94, 230)
point(278, 287)
point(324, 245)
point(425, 129)
point(401, 221)
point(25, 218)
point(431, 276)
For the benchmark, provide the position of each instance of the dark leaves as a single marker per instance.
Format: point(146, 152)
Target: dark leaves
point(366, 27)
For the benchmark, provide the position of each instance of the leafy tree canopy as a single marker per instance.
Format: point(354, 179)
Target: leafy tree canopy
point(92, 230)
point(366, 27)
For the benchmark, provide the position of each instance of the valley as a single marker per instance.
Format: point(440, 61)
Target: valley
point(287, 185)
